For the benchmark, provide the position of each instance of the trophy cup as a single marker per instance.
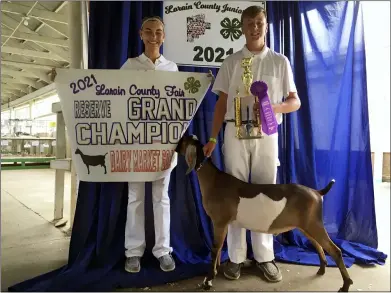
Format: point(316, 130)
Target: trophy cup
point(247, 76)
point(251, 129)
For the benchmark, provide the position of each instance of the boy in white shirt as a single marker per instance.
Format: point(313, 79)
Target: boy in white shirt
point(258, 156)
point(152, 35)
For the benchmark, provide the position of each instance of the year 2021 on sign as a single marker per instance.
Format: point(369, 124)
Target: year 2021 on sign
point(203, 33)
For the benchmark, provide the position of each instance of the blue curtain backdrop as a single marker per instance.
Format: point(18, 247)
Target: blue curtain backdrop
point(327, 138)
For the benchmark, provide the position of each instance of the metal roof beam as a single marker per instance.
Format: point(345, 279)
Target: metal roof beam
point(58, 51)
point(58, 28)
point(44, 91)
point(9, 94)
point(36, 13)
point(26, 65)
point(32, 53)
point(10, 91)
point(21, 80)
point(30, 73)
point(35, 38)
point(14, 87)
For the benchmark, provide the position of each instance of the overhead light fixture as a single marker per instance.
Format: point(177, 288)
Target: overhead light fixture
point(26, 21)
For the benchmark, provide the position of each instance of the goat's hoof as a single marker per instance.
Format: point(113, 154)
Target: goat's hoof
point(346, 285)
point(207, 284)
point(321, 272)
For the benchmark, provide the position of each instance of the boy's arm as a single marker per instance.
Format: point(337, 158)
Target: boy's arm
point(219, 114)
point(292, 102)
point(221, 88)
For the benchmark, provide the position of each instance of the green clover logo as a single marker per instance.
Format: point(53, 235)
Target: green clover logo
point(230, 29)
point(192, 85)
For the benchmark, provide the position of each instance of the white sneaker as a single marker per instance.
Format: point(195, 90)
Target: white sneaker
point(132, 264)
point(167, 263)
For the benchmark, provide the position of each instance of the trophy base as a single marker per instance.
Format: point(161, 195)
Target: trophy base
point(248, 132)
point(251, 137)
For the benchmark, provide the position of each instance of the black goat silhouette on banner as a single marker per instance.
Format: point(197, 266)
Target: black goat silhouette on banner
point(92, 160)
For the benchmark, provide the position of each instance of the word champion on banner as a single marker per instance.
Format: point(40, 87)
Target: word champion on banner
point(125, 125)
point(206, 31)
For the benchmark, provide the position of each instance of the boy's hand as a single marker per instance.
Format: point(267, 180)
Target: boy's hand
point(209, 148)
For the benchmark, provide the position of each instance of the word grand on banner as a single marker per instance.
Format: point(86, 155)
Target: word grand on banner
point(130, 121)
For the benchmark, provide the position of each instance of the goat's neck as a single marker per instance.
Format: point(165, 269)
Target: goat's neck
point(207, 172)
point(207, 179)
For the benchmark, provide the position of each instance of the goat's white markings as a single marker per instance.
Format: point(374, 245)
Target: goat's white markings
point(209, 283)
point(258, 213)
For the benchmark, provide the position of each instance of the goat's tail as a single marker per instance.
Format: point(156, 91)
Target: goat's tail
point(327, 188)
point(105, 154)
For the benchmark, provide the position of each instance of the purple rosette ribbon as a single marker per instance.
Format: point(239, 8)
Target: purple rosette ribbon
point(268, 119)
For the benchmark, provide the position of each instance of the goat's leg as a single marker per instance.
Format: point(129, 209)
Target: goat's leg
point(219, 259)
point(219, 234)
point(88, 169)
point(318, 232)
point(104, 166)
point(319, 249)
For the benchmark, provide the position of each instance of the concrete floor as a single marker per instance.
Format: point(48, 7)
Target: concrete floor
point(40, 186)
point(31, 245)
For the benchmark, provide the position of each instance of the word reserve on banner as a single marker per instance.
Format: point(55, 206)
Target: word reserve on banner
point(205, 31)
point(124, 125)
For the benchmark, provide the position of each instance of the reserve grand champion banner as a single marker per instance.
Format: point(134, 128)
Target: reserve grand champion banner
point(206, 32)
point(124, 125)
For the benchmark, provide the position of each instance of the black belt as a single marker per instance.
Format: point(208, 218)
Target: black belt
point(233, 120)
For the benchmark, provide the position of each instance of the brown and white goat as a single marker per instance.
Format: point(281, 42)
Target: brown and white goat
point(266, 208)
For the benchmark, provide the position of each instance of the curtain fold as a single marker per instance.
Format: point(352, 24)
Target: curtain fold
point(327, 138)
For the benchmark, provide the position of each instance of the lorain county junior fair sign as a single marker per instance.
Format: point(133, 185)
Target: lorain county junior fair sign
point(124, 125)
point(205, 31)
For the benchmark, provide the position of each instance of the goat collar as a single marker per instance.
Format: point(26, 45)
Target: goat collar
point(202, 163)
point(201, 158)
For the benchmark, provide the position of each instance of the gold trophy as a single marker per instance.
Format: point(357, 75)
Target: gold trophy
point(247, 76)
point(248, 127)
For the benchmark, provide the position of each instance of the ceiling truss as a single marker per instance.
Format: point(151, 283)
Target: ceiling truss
point(34, 40)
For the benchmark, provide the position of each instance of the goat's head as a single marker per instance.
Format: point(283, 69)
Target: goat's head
point(191, 148)
point(78, 152)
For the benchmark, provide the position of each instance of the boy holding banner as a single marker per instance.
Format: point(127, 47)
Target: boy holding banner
point(152, 35)
point(255, 155)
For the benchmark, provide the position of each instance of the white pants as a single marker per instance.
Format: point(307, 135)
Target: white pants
point(260, 156)
point(135, 231)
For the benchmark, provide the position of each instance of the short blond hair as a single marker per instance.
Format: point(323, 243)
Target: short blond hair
point(251, 12)
point(152, 18)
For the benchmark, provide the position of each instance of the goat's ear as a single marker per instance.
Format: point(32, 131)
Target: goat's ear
point(179, 145)
point(191, 157)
